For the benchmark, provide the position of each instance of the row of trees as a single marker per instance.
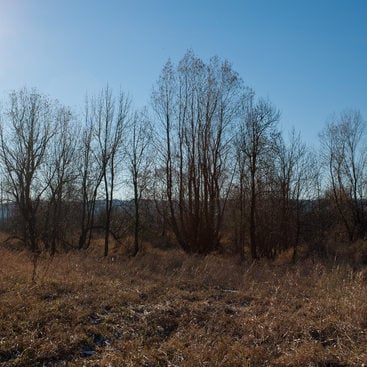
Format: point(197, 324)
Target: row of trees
point(205, 166)
point(56, 169)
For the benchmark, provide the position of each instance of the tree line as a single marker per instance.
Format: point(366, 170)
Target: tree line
point(205, 166)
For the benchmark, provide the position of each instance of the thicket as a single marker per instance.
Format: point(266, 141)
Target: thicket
point(205, 167)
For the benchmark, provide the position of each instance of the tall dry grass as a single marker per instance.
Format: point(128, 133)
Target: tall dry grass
point(165, 308)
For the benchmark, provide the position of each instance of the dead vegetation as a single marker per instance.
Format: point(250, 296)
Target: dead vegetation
point(165, 308)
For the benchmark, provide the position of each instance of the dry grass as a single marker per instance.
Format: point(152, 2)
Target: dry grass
point(168, 309)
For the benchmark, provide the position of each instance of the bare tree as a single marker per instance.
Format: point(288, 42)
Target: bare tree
point(103, 149)
point(139, 159)
point(90, 180)
point(257, 140)
point(196, 104)
point(240, 198)
point(294, 176)
point(60, 174)
point(163, 101)
point(26, 131)
point(344, 153)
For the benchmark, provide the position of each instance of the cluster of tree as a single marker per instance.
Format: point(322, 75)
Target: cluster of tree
point(205, 166)
point(57, 170)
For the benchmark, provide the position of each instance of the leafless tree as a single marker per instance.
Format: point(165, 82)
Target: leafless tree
point(60, 174)
point(196, 104)
point(90, 177)
point(257, 141)
point(294, 177)
point(108, 121)
point(139, 160)
point(25, 134)
point(344, 153)
point(163, 101)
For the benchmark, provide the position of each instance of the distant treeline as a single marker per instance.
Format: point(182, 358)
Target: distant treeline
point(204, 166)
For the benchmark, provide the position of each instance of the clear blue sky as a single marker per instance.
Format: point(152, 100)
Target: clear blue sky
point(308, 57)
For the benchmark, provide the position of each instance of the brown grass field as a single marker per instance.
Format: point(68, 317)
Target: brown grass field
point(165, 308)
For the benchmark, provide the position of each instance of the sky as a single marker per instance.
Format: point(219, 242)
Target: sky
point(309, 58)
